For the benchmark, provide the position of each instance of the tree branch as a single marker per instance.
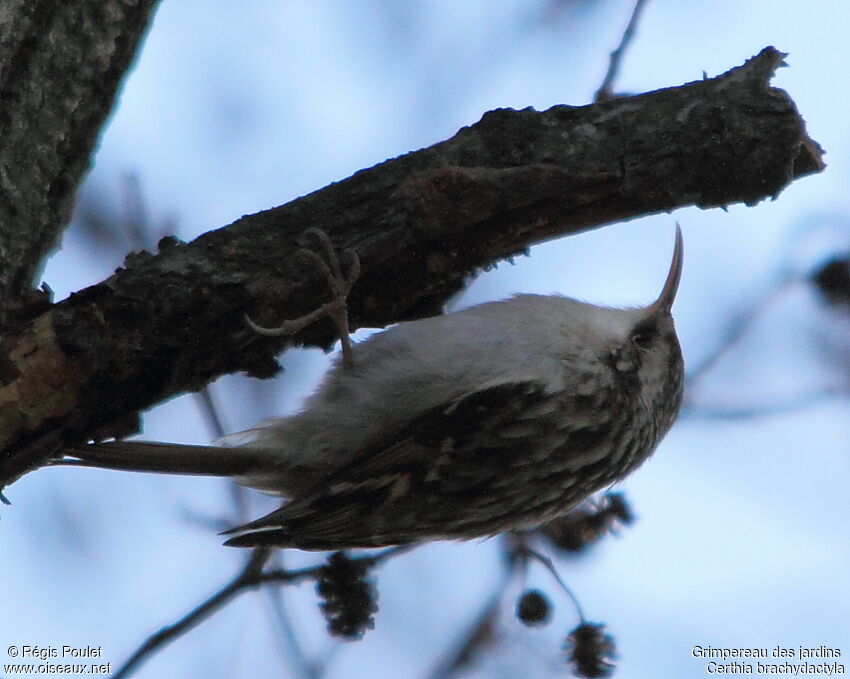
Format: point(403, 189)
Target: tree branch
point(247, 578)
point(606, 89)
point(250, 577)
point(421, 224)
point(61, 64)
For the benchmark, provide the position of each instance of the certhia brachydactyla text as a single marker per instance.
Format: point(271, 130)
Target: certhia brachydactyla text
point(502, 416)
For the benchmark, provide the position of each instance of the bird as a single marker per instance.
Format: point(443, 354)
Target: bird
point(502, 416)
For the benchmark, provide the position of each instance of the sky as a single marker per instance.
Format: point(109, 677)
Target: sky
point(741, 537)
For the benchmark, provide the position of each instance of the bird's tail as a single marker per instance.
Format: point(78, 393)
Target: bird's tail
point(167, 458)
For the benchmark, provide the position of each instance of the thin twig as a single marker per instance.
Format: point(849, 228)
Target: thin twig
point(246, 579)
point(293, 651)
point(605, 91)
point(135, 213)
point(250, 577)
point(215, 425)
point(738, 327)
point(291, 648)
point(547, 563)
point(210, 412)
point(481, 631)
point(520, 553)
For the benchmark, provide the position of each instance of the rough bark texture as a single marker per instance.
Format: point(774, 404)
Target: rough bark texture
point(421, 223)
point(61, 64)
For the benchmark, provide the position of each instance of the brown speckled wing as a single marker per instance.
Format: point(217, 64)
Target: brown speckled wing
point(476, 466)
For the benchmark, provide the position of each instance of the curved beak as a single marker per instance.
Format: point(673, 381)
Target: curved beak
point(665, 300)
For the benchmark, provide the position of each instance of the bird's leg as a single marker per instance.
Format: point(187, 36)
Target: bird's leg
point(337, 309)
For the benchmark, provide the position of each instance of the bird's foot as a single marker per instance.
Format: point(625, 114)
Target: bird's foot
point(340, 287)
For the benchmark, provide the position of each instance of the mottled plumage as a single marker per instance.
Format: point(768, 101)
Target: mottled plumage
point(502, 416)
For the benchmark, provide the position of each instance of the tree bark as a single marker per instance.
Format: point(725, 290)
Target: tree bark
point(421, 224)
point(61, 64)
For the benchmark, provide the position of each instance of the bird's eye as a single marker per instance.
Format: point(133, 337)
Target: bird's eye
point(642, 340)
point(644, 334)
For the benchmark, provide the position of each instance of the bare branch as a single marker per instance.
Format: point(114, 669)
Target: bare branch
point(481, 634)
point(606, 89)
point(247, 578)
point(61, 64)
point(250, 577)
point(291, 649)
point(737, 328)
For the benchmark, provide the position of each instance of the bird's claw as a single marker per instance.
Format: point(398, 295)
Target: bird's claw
point(340, 287)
